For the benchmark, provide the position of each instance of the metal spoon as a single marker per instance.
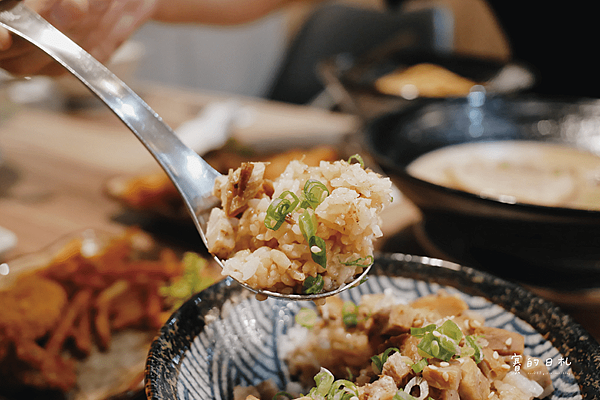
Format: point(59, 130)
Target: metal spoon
point(192, 176)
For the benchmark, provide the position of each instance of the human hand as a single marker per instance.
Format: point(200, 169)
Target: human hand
point(99, 26)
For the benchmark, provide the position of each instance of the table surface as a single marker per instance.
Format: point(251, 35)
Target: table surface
point(54, 163)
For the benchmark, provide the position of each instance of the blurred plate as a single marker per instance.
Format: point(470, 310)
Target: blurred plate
point(533, 244)
point(354, 82)
point(366, 72)
point(116, 372)
point(224, 337)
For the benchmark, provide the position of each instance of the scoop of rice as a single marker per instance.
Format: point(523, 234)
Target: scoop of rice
point(348, 220)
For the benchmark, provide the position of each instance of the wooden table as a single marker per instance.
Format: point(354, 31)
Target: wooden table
point(55, 163)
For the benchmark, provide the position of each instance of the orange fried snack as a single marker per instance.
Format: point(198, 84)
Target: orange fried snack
point(78, 301)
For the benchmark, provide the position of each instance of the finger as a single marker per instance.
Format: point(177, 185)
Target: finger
point(5, 39)
point(67, 13)
point(29, 63)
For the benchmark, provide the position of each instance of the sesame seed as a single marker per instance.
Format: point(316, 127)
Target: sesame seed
point(436, 334)
point(467, 322)
point(445, 376)
point(508, 341)
point(433, 367)
point(444, 364)
point(490, 395)
point(505, 366)
point(475, 324)
point(496, 355)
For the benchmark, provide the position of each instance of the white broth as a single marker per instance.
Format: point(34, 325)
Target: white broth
point(516, 171)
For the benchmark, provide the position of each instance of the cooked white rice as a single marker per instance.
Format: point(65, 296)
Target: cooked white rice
point(280, 260)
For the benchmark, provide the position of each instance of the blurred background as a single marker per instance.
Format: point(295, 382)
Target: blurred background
point(245, 59)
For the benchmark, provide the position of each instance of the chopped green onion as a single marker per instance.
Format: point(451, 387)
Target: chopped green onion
point(441, 347)
point(314, 193)
point(419, 365)
point(358, 158)
point(306, 317)
point(379, 360)
point(450, 329)
point(324, 380)
point(279, 209)
point(318, 250)
point(313, 285)
point(361, 262)
point(420, 332)
point(307, 223)
point(402, 395)
point(350, 375)
point(342, 389)
point(281, 394)
point(477, 354)
point(349, 314)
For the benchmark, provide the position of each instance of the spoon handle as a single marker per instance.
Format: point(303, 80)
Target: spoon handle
point(193, 176)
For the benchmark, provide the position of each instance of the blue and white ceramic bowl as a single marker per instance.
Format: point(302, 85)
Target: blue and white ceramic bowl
point(224, 337)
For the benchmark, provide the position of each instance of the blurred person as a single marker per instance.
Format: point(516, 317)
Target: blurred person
point(101, 26)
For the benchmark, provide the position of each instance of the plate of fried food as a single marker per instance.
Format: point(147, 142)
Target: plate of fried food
point(152, 194)
point(389, 80)
point(77, 318)
point(418, 328)
point(412, 75)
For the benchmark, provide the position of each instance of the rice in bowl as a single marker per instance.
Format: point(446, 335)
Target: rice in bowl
point(310, 230)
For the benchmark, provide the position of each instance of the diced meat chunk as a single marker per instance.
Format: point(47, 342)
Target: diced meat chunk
point(473, 385)
point(397, 366)
point(400, 320)
point(493, 365)
point(440, 394)
point(443, 375)
point(443, 303)
point(406, 343)
point(239, 187)
point(503, 341)
point(382, 389)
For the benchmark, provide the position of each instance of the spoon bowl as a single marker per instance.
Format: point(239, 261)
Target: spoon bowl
point(192, 176)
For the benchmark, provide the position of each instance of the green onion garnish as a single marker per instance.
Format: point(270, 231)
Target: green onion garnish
point(379, 360)
point(402, 395)
point(279, 209)
point(450, 329)
point(358, 158)
point(361, 262)
point(342, 389)
point(349, 314)
point(313, 285)
point(308, 222)
point(420, 332)
point(419, 365)
point(318, 250)
point(324, 380)
point(314, 193)
point(281, 394)
point(306, 317)
point(472, 342)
